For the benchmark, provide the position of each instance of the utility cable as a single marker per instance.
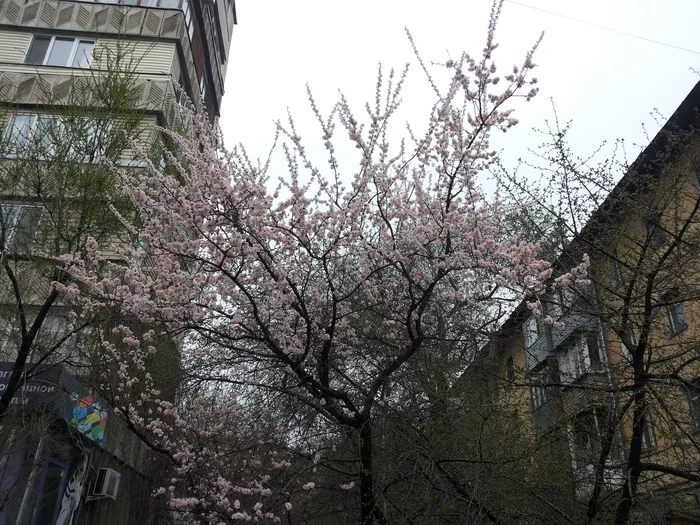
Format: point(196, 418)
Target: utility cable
point(604, 27)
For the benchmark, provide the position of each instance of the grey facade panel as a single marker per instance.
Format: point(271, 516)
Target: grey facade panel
point(551, 338)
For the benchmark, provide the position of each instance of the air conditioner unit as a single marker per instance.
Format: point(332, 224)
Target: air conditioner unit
point(106, 485)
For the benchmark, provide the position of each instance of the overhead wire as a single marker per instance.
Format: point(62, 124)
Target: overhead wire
point(605, 27)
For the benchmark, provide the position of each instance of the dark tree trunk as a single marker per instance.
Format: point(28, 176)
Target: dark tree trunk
point(633, 461)
point(605, 449)
point(20, 365)
point(16, 378)
point(370, 514)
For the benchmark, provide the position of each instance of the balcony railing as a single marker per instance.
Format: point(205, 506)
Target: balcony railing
point(183, 5)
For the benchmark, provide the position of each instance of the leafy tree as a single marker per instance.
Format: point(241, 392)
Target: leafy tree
point(58, 189)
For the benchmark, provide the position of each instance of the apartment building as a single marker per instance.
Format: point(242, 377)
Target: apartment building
point(613, 367)
point(78, 82)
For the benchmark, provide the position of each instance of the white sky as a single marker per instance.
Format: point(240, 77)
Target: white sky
point(607, 83)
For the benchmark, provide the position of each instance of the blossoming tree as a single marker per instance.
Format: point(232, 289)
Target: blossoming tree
point(319, 285)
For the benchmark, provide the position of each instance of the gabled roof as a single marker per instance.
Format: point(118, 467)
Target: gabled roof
point(685, 118)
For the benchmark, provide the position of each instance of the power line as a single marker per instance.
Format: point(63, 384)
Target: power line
point(604, 27)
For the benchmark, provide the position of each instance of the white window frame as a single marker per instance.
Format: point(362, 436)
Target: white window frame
point(34, 127)
point(575, 358)
point(71, 58)
point(203, 85)
point(10, 226)
point(676, 317)
point(189, 22)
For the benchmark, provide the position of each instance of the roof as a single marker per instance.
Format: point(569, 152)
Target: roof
point(685, 118)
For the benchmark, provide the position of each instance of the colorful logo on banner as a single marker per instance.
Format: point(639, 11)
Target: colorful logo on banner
point(89, 417)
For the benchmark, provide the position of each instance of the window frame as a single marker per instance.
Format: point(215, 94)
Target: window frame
point(649, 442)
point(71, 58)
point(510, 369)
point(584, 458)
point(203, 86)
point(538, 395)
point(676, 317)
point(555, 305)
point(7, 245)
point(577, 356)
point(59, 122)
point(675, 312)
point(43, 489)
point(189, 17)
point(626, 354)
point(654, 230)
point(528, 325)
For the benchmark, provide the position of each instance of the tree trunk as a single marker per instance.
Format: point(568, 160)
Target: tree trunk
point(605, 449)
point(19, 368)
point(370, 514)
point(633, 461)
point(16, 378)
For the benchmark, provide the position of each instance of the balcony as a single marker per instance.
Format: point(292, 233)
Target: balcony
point(161, 20)
point(182, 5)
point(157, 93)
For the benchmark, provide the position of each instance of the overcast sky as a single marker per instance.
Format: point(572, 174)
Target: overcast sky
point(605, 82)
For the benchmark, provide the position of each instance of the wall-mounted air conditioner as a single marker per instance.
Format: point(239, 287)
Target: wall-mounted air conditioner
point(106, 485)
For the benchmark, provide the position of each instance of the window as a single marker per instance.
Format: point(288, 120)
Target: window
point(9, 338)
point(43, 497)
point(19, 132)
point(50, 496)
point(539, 396)
point(82, 138)
point(579, 355)
point(542, 406)
point(60, 51)
point(30, 131)
point(648, 435)
point(586, 433)
point(654, 230)
point(530, 331)
point(18, 227)
point(616, 268)
point(203, 86)
point(626, 354)
point(510, 369)
point(188, 18)
point(555, 305)
point(676, 313)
